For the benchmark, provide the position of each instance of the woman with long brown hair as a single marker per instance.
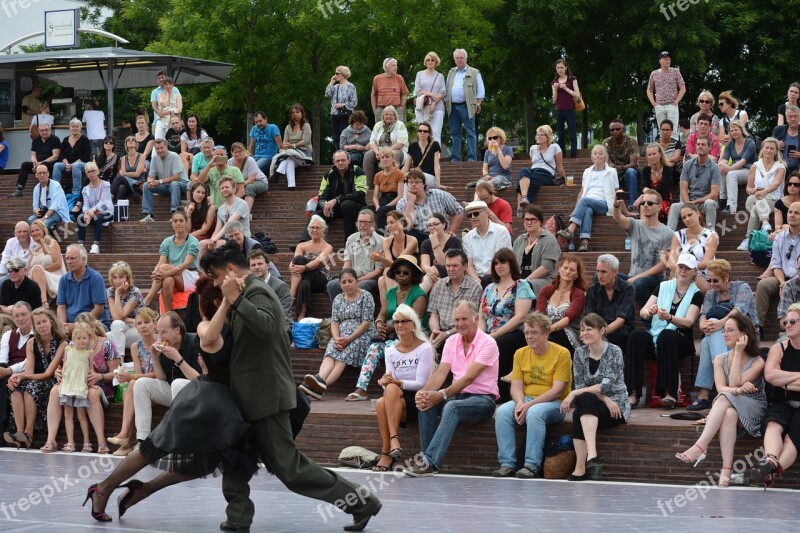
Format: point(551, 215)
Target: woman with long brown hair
point(563, 301)
point(296, 150)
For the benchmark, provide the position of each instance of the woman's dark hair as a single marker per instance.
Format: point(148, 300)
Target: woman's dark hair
point(358, 116)
point(399, 216)
point(196, 134)
point(227, 254)
point(693, 207)
point(505, 255)
point(535, 210)
point(208, 294)
point(668, 121)
point(348, 271)
point(200, 210)
point(563, 61)
point(441, 218)
point(793, 174)
point(595, 321)
point(302, 110)
point(180, 210)
point(745, 325)
point(572, 258)
point(101, 157)
point(430, 130)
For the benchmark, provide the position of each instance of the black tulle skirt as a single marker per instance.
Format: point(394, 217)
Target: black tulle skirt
point(201, 434)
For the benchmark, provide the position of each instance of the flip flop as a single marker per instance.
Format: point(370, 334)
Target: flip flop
point(355, 397)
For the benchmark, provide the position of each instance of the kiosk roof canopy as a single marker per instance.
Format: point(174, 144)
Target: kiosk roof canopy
point(88, 68)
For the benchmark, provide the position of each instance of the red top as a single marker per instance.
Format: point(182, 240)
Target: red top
point(502, 210)
point(564, 100)
point(577, 297)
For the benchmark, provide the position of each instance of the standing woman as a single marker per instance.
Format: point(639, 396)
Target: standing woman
point(547, 160)
point(792, 96)
point(107, 160)
point(98, 208)
point(310, 267)
point(424, 154)
point(739, 378)
point(764, 188)
point(30, 389)
point(563, 301)
point(409, 364)
point(176, 270)
point(132, 171)
point(658, 175)
point(565, 90)
point(296, 149)
point(729, 107)
point(429, 86)
point(343, 102)
point(741, 152)
point(170, 104)
point(599, 397)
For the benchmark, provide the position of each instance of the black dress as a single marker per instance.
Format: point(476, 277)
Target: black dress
point(203, 431)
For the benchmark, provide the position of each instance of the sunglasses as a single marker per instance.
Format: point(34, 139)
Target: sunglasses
point(14, 270)
point(530, 219)
point(793, 321)
point(402, 272)
point(706, 101)
point(423, 131)
point(494, 138)
point(793, 184)
point(401, 322)
point(649, 203)
point(722, 104)
point(337, 73)
point(714, 280)
point(474, 214)
point(789, 253)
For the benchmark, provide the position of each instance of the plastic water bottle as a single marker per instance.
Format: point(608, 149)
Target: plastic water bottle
point(627, 244)
point(571, 247)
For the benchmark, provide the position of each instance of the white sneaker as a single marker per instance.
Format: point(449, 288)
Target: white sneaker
point(148, 218)
point(745, 246)
point(766, 226)
point(95, 249)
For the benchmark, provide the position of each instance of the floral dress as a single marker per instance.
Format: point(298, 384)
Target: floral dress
point(145, 356)
point(498, 309)
point(100, 361)
point(349, 316)
point(40, 389)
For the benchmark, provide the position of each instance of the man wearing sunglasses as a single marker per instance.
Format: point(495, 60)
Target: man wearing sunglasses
point(483, 241)
point(18, 288)
point(700, 183)
point(785, 253)
point(623, 155)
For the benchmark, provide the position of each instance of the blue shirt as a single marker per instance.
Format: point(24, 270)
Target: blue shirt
point(4, 155)
point(54, 199)
point(457, 91)
point(265, 140)
point(81, 296)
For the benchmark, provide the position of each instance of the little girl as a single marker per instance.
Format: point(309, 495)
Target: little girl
point(75, 385)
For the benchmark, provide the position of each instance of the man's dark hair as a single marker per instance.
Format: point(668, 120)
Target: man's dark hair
point(258, 253)
point(261, 114)
point(457, 252)
point(227, 254)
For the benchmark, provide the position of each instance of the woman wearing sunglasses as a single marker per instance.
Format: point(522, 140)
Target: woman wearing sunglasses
point(424, 154)
point(343, 101)
point(724, 299)
point(496, 161)
point(547, 160)
point(764, 184)
point(729, 107)
point(705, 101)
point(430, 87)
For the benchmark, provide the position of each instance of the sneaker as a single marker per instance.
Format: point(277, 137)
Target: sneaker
point(310, 393)
point(745, 246)
point(527, 472)
point(701, 404)
point(312, 383)
point(16, 194)
point(425, 470)
point(766, 226)
point(95, 249)
point(503, 471)
point(148, 218)
point(726, 211)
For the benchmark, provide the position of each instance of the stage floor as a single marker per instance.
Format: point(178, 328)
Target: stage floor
point(43, 493)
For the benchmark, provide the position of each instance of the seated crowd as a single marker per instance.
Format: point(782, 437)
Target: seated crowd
point(468, 325)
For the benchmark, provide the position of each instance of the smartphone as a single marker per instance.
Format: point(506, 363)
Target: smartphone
point(621, 195)
point(792, 147)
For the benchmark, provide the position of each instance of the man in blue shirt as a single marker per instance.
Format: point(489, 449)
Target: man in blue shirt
point(465, 93)
point(81, 290)
point(265, 138)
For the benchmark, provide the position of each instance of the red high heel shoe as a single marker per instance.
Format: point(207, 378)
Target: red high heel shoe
point(132, 486)
point(102, 516)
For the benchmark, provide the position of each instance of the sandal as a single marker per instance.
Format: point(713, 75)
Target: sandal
point(724, 481)
point(356, 397)
point(768, 470)
point(103, 448)
point(77, 209)
point(686, 459)
point(396, 453)
point(68, 448)
point(567, 234)
point(382, 468)
point(584, 247)
point(49, 447)
point(87, 448)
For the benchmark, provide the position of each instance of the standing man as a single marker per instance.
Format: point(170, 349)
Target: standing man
point(167, 176)
point(81, 290)
point(613, 299)
point(650, 240)
point(446, 294)
point(669, 88)
point(623, 156)
point(262, 385)
point(465, 93)
point(45, 150)
point(700, 182)
point(31, 106)
point(161, 128)
point(389, 89)
point(265, 138)
point(357, 250)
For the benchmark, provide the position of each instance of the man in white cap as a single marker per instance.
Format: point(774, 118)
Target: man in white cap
point(483, 241)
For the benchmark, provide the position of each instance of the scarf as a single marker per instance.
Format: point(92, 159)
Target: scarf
point(665, 295)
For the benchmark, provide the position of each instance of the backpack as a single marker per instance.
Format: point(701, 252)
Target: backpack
point(760, 248)
point(266, 243)
point(554, 224)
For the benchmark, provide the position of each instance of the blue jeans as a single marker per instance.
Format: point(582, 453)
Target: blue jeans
point(50, 221)
point(710, 347)
point(264, 163)
point(537, 177)
point(631, 180)
point(537, 418)
point(567, 116)
point(175, 189)
point(459, 116)
point(97, 222)
point(77, 174)
point(462, 408)
point(584, 210)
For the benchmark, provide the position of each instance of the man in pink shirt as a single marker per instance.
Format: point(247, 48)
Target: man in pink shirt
point(472, 356)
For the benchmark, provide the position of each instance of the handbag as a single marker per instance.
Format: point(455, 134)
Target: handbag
point(719, 310)
point(35, 129)
point(580, 105)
